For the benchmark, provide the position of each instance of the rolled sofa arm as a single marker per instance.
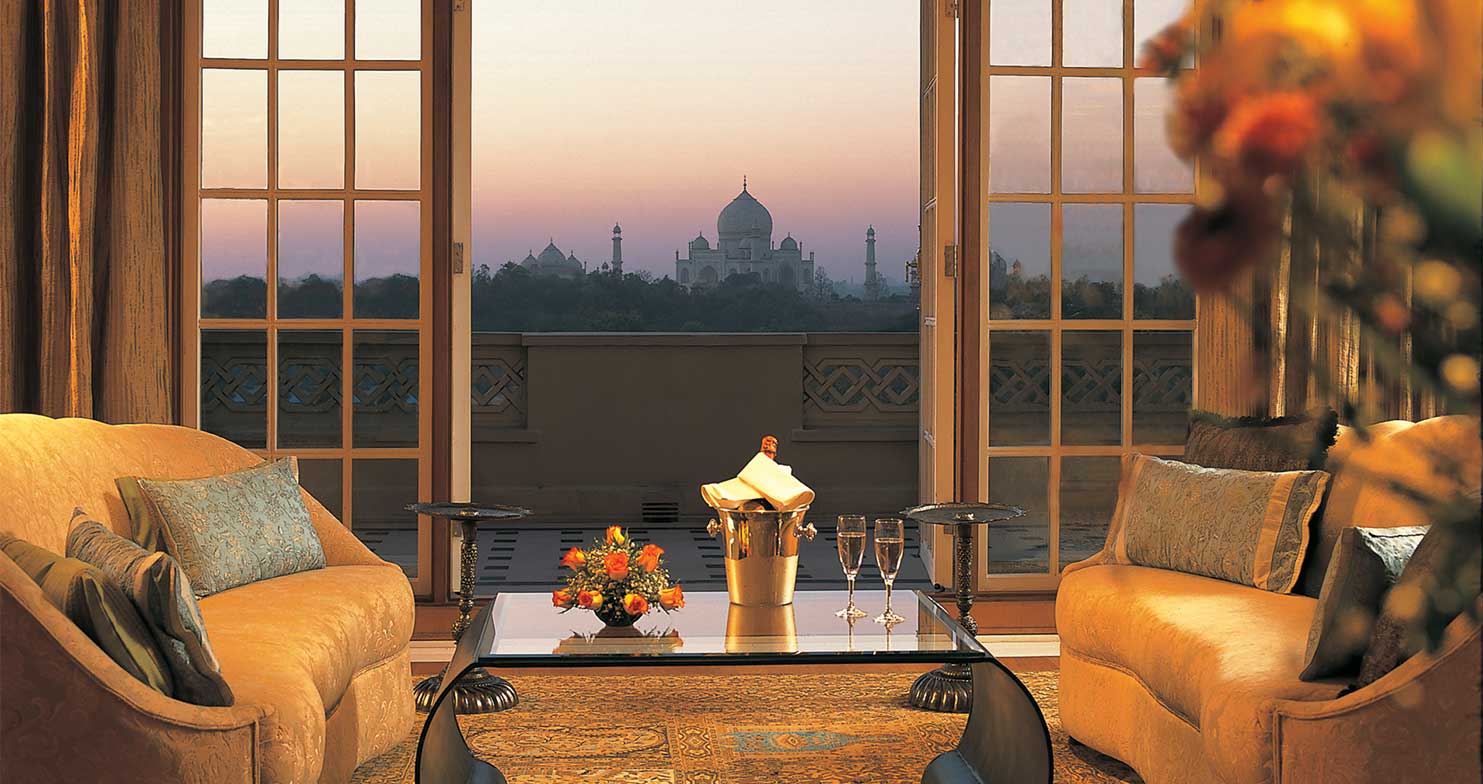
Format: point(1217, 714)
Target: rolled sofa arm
point(69, 713)
point(1100, 557)
point(1420, 722)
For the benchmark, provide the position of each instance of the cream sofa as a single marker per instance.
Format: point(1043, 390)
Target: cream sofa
point(318, 661)
point(1190, 679)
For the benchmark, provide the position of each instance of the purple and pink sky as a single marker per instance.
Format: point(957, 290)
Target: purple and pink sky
point(648, 113)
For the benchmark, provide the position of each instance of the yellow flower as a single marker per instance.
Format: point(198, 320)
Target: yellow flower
point(616, 565)
point(1270, 134)
point(561, 598)
point(574, 559)
point(615, 535)
point(649, 557)
point(672, 598)
point(589, 600)
point(635, 604)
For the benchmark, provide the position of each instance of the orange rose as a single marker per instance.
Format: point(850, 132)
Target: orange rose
point(561, 598)
point(635, 604)
point(574, 559)
point(615, 535)
point(616, 565)
point(1271, 134)
point(672, 598)
point(589, 600)
point(649, 557)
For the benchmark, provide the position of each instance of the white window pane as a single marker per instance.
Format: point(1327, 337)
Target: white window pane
point(1092, 135)
point(1019, 32)
point(388, 120)
point(311, 29)
point(234, 28)
point(1019, 134)
point(311, 129)
point(388, 30)
point(1092, 33)
point(1156, 169)
point(234, 128)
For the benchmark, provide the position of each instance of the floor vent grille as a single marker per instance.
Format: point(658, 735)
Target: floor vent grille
point(660, 512)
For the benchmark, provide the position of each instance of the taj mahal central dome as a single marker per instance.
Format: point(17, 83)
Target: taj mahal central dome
point(744, 247)
point(742, 216)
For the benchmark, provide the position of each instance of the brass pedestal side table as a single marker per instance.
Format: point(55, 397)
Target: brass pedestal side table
point(949, 688)
point(477, 691)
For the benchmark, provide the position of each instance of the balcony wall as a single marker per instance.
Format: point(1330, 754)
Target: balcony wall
point(628, 426)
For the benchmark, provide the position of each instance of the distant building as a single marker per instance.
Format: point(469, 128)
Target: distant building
point(553, 263)
point(744, 246)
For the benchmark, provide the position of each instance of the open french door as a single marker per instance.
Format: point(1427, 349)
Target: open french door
point(936, 270)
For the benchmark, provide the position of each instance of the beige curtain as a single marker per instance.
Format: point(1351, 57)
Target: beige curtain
point(86, 261)
point(1272, 347)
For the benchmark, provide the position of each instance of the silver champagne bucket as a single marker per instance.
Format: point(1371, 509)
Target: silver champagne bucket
point(761, 554)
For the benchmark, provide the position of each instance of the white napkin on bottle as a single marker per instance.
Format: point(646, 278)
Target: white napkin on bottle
point(762, 478)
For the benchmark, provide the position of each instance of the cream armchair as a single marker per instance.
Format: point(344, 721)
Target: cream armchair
point(1187, 678)
point(318, 661)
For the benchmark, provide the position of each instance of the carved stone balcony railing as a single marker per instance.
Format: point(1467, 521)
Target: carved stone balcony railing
point(629, 424)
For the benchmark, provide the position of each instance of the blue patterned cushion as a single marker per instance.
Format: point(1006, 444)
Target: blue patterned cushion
point(1248, 527)
point(1365, 563)
point(162, 595)
point(236, 528)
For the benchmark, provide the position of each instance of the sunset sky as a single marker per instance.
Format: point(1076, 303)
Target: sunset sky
point(649, 112)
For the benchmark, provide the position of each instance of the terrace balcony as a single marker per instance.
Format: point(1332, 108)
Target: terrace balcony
point(590, 429)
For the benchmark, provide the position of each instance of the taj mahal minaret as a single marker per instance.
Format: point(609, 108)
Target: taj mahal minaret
point(872, 279)
point(617, 249)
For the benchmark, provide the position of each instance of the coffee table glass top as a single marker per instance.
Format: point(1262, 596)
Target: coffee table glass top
point(525, 630)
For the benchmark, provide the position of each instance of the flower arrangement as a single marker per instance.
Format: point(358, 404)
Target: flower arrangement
point(1313, 112)
point(1378, 98)
point(617, 580)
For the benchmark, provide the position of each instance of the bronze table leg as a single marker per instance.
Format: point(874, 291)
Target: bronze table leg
point(477, 691)
point(949, 688)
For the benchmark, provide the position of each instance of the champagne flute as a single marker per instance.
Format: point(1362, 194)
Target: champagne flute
point(851, 535)
point(890, 544)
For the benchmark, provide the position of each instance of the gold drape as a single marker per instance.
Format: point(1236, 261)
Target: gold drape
point(85, 257)
point(1269, 346)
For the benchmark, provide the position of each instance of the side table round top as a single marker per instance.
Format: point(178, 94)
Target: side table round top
point(469, 511)
point(962, 513)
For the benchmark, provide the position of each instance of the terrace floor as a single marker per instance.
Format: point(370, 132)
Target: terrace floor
point(525, 558)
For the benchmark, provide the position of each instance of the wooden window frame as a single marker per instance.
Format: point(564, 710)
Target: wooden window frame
point(431, 325)
point(977, 326)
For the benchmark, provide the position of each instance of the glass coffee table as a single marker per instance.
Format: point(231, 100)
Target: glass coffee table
point(1006, 739)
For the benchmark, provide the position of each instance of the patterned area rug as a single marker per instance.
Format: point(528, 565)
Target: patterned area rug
point(727, 729)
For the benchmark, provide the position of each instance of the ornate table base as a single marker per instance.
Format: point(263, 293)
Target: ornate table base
point(949, 688)
point(475, 692)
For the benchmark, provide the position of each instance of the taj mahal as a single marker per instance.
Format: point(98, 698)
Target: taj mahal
point(744, 246)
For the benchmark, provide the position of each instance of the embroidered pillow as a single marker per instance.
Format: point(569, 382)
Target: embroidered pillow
point(1248, 527)
point(104, 613)
point(1295, 443)
point(1365, 563)
point(162, 594)
point(228, 530)
point(1399, 631)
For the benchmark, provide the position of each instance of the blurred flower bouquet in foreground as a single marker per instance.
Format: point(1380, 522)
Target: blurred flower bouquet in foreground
point(617, 580)
point(1352, 131)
